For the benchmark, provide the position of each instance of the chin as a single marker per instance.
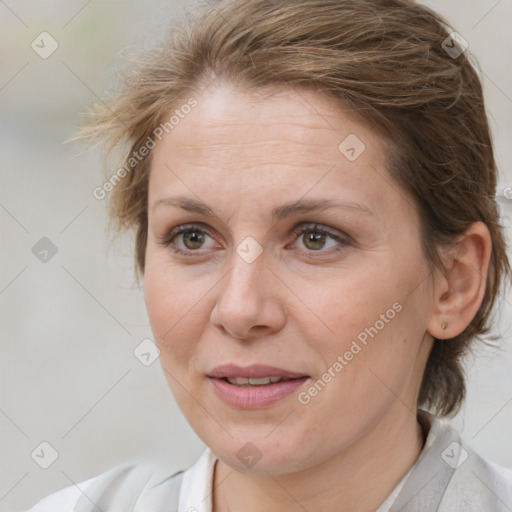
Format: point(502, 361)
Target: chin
point(259, 455)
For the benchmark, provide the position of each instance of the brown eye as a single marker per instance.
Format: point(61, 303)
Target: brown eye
point(186, 240)
point(314, 240)
point(193, 239)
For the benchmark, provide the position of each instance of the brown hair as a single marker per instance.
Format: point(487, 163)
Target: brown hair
point(387, 61)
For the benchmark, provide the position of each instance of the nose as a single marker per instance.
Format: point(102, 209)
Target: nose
point(248, 305)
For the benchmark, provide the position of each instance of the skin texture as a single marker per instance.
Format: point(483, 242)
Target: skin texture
point(243, 155)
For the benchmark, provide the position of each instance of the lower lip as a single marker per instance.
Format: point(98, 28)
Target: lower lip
point(257, 396)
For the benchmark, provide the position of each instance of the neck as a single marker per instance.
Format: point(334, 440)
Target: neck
point(360, 478)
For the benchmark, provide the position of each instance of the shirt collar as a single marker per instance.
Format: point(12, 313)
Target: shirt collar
point(430, 475)
point(196, 487)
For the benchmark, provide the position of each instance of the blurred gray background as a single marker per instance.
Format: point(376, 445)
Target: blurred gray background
point(70, 324)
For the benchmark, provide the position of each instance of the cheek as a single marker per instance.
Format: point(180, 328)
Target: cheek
point(174, 308)
point(373, 318)
point(161, 305)
point(353, 299)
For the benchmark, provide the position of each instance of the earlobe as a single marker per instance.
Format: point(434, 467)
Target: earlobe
point(460, 289)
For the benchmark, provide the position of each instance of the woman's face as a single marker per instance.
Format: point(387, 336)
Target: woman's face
point(339, 295)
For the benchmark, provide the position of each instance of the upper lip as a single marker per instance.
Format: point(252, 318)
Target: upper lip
point(254, 371)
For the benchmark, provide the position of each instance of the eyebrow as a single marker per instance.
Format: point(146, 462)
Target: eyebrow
point(279, 213)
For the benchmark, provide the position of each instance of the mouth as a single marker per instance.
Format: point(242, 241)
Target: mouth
point(254, 386)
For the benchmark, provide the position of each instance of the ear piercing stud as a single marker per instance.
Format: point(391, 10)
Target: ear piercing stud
point(444, 325)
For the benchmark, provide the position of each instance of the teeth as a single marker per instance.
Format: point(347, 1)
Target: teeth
point(245, 382)
point(262, 381)
point(238, 381)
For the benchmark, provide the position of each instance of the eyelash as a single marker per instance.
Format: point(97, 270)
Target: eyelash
point(345, 240)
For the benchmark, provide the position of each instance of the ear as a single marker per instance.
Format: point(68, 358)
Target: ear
point(460, 287)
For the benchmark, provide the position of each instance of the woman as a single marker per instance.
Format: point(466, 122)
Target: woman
point(312, 188)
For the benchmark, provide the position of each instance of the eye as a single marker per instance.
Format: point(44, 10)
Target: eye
point(192, 238)
point(315, 238)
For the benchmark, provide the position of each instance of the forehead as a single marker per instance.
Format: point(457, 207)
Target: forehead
point(285, 141)
point(302, 122)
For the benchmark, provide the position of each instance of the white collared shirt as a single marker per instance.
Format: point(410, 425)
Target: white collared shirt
point(448, 476)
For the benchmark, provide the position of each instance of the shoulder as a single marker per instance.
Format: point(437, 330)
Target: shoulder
point(66, 499)
point(450, 475)
point(474, 483)
point(121, 488)
point(478, 484)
